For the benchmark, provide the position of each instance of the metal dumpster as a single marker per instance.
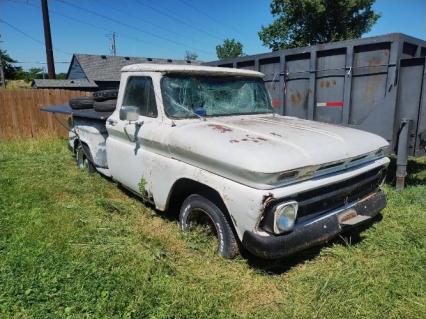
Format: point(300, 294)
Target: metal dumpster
point(375, 84)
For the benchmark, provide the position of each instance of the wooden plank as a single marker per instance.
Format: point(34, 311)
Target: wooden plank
point(20, 114)
point(11, 108)
point(26, 106)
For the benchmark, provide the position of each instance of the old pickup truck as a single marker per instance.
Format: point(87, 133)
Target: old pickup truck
point(206, 140)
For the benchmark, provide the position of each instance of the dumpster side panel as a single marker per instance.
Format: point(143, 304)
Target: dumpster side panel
point(420, 149)
point(409, 98)
point(297, 85)
point(271, 68)
point(329, 86)
point(370, 93)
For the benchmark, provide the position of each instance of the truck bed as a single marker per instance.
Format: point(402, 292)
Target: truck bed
point(88, 126)
point(84, 113)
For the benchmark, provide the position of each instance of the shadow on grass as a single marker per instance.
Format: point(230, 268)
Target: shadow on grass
point(414, 169)
point(279, 266)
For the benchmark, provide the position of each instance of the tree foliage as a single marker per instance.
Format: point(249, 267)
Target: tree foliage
point(61, 76)
point(31, 74)
point(12, 72)
point(229, 49)
point(7, 63)
point(190, 56)
point(307, 22)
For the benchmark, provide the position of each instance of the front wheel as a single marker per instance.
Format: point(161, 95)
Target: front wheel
point(197, 210)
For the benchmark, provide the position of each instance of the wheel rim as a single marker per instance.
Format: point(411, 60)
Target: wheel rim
point(199, 217)
point(206, 231)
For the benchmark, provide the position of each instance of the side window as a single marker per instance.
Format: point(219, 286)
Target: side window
point(140, 93)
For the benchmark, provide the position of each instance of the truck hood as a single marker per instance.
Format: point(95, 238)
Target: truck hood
point(253, 149)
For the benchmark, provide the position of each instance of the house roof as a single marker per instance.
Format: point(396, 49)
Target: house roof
point(107, 67)
point(189, 69)
point(63, 84)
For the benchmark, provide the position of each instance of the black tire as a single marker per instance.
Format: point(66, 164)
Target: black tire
point(195, 205)
point(83, 159)
point(105, 106)
point(105, 95)
point(81, 102)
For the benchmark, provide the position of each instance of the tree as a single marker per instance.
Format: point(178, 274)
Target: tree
point(229, 49)
point(307, 22)
point(61, 76)
point(29, 75)
point(33, 73)
point(190, 56)
point(7, 62)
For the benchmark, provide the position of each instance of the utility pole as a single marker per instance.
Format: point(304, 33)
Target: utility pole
point(48, 40)
point(113, 47)
point(2, 79)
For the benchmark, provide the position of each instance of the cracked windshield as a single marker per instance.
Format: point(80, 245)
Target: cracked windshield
point(193, 96)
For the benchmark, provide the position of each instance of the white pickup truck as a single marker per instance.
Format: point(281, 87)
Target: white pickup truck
point(206, 140)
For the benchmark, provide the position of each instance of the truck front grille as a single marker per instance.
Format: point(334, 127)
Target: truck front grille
point(330, 197)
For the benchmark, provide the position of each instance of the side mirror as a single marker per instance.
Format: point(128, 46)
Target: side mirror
point(129, 113)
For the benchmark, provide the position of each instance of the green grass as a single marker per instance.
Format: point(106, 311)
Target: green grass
point(77, 246)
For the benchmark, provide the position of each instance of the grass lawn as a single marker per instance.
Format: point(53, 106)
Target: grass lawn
point(77, 246)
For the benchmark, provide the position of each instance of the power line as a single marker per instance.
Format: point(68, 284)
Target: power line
point(221, 23)
point(131, 26)
point(158, 26)
point(62, 15)
point(205, 32)
point(36, 62)
point(57, 13)
point(121, 35)
point(29, 36)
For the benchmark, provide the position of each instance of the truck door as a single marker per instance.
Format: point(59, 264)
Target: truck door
point(129, 143)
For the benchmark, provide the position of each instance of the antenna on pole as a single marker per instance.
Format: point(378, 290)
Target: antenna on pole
point(48, 40)
point(113, 47)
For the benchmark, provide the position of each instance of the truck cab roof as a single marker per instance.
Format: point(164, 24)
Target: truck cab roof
point(190, 69)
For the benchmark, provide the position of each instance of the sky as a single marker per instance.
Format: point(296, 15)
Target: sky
point(160, 29)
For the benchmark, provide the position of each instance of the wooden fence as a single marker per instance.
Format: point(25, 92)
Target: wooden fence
point(20, 114)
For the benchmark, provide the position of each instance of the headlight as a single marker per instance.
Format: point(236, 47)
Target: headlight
point(284, 217)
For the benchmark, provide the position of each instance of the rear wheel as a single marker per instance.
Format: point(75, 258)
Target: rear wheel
point(199, 211)
point(83, 161)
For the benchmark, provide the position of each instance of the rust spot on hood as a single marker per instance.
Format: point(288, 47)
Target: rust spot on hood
point(249, 138)
point(220, 128)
